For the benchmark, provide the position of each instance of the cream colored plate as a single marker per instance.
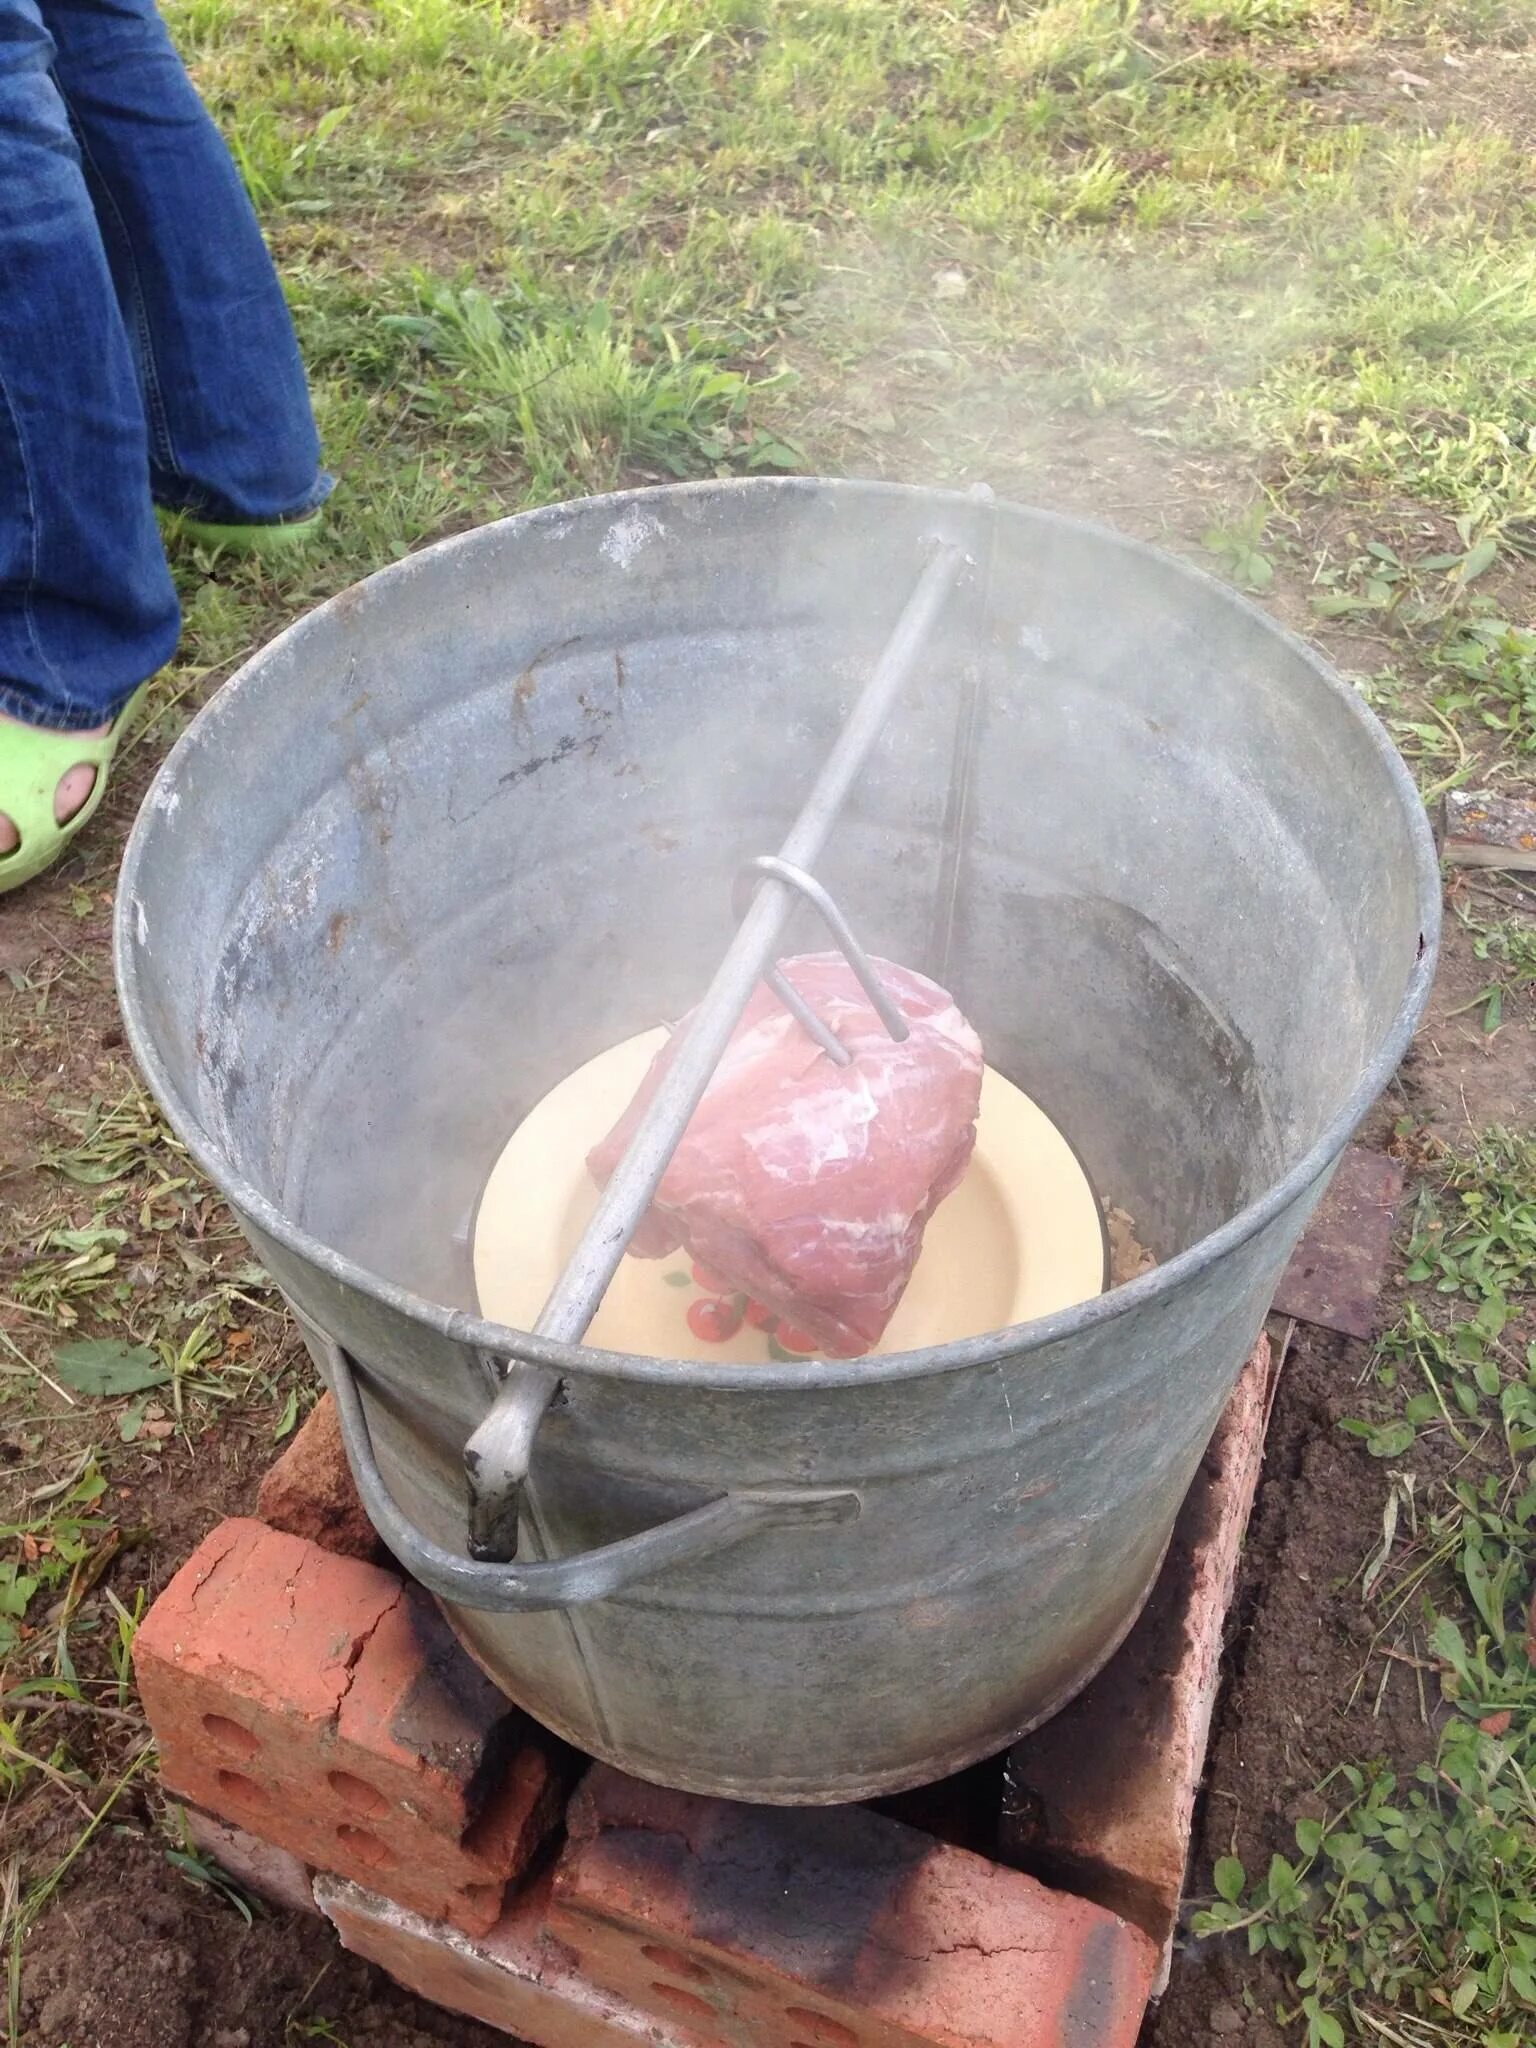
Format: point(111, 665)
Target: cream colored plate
point(1021, 1235)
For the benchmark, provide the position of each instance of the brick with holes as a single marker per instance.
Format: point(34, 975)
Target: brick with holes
point(817, 1928)
point(516, 1977)
point(318, 1702)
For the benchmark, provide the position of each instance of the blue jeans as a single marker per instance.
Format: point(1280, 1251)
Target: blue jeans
point(146, 354)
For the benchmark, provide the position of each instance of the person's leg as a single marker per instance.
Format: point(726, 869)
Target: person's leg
point(87, 607)
point(231, 435)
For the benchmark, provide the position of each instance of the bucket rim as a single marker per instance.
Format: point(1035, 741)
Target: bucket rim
point(460, 1326)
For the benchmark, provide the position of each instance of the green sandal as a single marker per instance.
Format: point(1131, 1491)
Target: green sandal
point(279, 539)
point(32, 763)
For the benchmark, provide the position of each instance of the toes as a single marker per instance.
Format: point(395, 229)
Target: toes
point(74, 789)
point(10, 838)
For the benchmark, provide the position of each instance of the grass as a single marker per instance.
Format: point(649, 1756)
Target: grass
point(1408, 1915)
point(586, 398)
point(1274, 259)
point(1148, 216)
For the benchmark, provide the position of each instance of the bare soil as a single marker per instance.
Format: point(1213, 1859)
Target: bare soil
point(134, 1957)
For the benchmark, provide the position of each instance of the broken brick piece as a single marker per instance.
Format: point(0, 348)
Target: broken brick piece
point(257, 1866)
point(264, 1617)
point(309, 1491)
point(464, 1883)
point(283, 1684)
point(1102, 1797)
point(1335, 1274)
point(836, 1927)
point(516, 1977)
point(1488, 829)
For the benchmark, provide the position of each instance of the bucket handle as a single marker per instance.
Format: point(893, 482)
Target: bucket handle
point(563, 1581)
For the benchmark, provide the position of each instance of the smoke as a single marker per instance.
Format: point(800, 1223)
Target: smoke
point(634, 713)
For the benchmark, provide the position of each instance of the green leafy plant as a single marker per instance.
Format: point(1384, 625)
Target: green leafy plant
point(1239, 548)
point(107, 1366)
point(585, 395)
point(1376, 581)
point(1496, 662)
point(202, 1871)
point(1509, 949)
point(1408, 1914)
point(1417, 1899)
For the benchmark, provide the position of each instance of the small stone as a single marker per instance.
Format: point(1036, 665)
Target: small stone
point(1225, 2019)
point(232, 2037)
point(950, 284)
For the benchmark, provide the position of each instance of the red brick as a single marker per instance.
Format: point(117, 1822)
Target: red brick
point(257, 1866)
point(267, 1618)
point(832, 1928)
point(420, 1722)
point(1102, 1797)
point(309, 1491)
point(516, 1977)
point(283, 1683)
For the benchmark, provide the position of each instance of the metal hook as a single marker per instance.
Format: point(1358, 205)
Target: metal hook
point(820, 899)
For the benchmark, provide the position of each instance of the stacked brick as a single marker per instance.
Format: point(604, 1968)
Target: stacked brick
point(336, 1749)
point(318, 1702)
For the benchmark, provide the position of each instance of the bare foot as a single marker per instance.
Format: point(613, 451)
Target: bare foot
point(74, 788)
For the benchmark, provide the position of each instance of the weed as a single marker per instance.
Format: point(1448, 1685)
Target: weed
point(1239, 548)
point(584, 397)
point(1475, 1235)
point(1508, 948)
point(1497, 661)
point(201, 1870)
point(1409, 1914)
point(120, 1643)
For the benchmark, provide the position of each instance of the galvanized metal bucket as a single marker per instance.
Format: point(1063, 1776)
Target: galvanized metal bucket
point(477, 818)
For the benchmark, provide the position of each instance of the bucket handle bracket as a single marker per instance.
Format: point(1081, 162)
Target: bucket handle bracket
point(565, 1581)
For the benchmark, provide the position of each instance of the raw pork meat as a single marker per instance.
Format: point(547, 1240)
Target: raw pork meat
point(807, 1185)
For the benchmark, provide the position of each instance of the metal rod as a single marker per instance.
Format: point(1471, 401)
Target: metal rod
point(956, 828)
point(955, 835)
point(820, 898)
point(807, 1018)
point(634, 1181)
point(496, 1456)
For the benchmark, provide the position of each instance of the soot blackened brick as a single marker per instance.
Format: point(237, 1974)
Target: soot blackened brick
point(818, 1928)
point(283, 1684)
